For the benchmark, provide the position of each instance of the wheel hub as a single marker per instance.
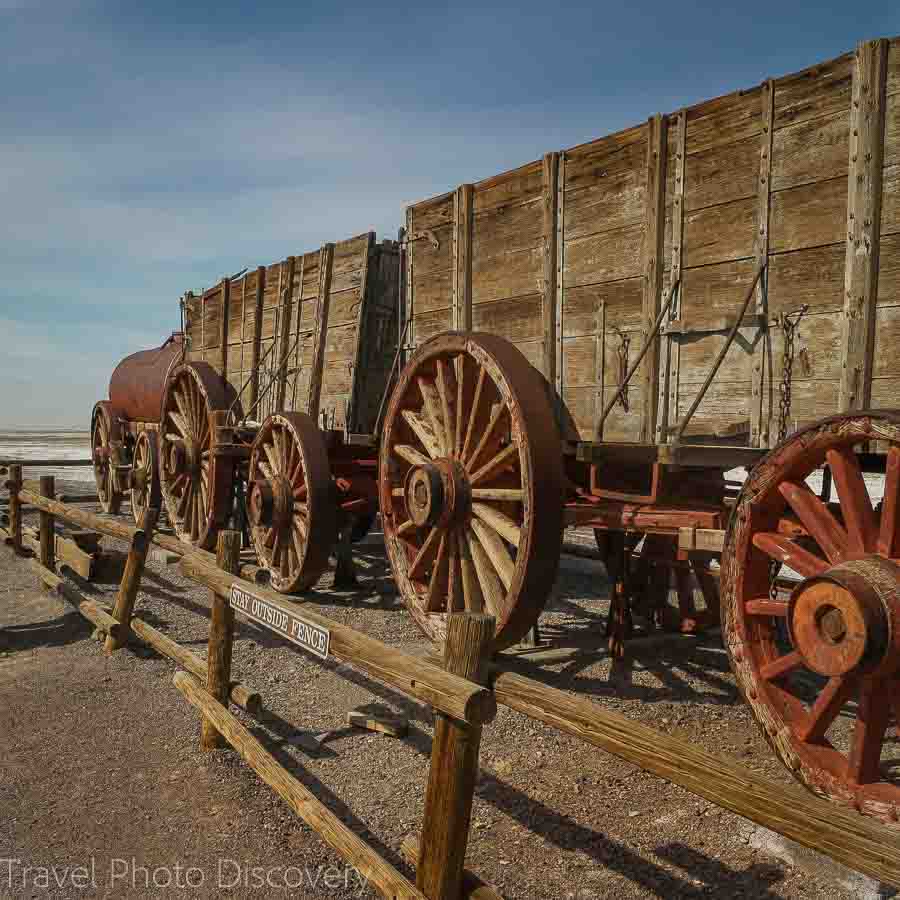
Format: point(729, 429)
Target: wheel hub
point(437, 493)
point(845, 619)
point(270, 503)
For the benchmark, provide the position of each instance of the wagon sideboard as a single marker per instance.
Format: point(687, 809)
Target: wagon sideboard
point(314, 333)
point(572, 257)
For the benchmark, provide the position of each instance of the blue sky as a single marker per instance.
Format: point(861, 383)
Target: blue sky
point(150, 148)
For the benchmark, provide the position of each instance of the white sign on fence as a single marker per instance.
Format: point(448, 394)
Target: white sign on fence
point(295, 628)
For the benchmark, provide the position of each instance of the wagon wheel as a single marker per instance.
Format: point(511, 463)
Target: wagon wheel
point(107, 455)
point(471, 485)
point(290, 504)
point(819, 665)
point(144, 475)
point(196, 482)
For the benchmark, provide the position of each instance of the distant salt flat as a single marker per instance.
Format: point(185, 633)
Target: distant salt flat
point(24, 444)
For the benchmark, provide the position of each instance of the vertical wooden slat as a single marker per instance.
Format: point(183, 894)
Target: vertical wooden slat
point(223, 328)
point(326, 260)
point(863, 222)
point(202, 356)
point(654, 250)
point(297, 341)
point(600, 360)
point(362, 318)
point(409, 322)
point(257, 335)
point(286, 296)
point(759, 416)
point(560, 275)
point(668, 380)
point(548, 304)
point(463, 221)
point(243, 336)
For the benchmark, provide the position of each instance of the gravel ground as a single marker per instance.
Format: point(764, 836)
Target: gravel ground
point(100, 758)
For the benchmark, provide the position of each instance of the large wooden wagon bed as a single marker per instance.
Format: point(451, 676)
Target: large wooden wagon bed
point(597, 337)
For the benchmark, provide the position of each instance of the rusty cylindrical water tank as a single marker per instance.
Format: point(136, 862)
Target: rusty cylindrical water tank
point(137, 383)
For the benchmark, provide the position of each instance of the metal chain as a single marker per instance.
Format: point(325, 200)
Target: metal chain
point(789, 323)
point(622, 353)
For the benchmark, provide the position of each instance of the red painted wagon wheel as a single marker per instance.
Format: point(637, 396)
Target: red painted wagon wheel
point(107, 455)
point(819, 665)
point(196, 482)
point(290, 503)
point(471, 485)
point(144, 475)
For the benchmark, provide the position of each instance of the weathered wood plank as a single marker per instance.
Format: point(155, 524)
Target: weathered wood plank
point(463, 215)
point(507, 228)
point(723, 120)
point(863, 222)
point(623, 301)
point(808, 216)
point(719, 233)
point(889, 271)
point(509, 275)
point(550, 212)
point(890, 208)
point(809, 151)
point(509, 188)
point(518, 319)
point(322, 306)
point(259, 285)
point(608, 256)
point(588, 164)
point(820, 90)
point(653, 250)
point(721, 173)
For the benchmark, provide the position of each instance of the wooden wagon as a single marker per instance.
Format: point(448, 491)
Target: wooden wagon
point(601, 335)
point(266, 404)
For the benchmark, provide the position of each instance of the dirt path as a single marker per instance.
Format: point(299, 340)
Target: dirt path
point(100, 761)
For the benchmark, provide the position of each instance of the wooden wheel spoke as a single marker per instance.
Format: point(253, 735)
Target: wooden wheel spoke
point(406, 527)
point(410, 455)
point(300, 492)
point(447, 393)
point(423, 432)
point(872, 716)
point(269, 538)
point(266, 469)
point(272, 456)
point(278, 549)
point(494, 466)
point(496, 551)
point(182, 405)
point(491, 588)
point(460, 404)
point(817, 519)
point(781, 666)
point(298, 536)
point(473, 599)
point(826, 708)
point(785, 550)
point(435, 598)
point(499, 521)
point(301, 525)
point(508, 495)
point(473, 416)
point(856, 506)
point(455, 596)
point(889, 530)
point(425, 555)
point(432, 406)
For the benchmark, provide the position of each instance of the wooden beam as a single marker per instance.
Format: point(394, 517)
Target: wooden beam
point(408, 325)
point(381, 875)
point(472, 887)
point(362, 347)
point(461, 699)
point(131, 577)
point(454, 765)
point(844, 835)
point(560, 281)
point(760, 416)
point(48, 529)
point(548, 300)
point(221, 640)
point(223, 326)
point(257, 336)
point(667, 404)
point(863, 222)
point(326, 261)
point(463, 220)
point(654, 250)
point(287, 301)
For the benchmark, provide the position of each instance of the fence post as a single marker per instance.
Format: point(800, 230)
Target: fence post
point(48, 535)
point(15, 507)
point(454, 766)
point(131, 578)
point(221, 638)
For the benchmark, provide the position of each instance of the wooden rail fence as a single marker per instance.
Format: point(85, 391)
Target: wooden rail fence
point(464, 691)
